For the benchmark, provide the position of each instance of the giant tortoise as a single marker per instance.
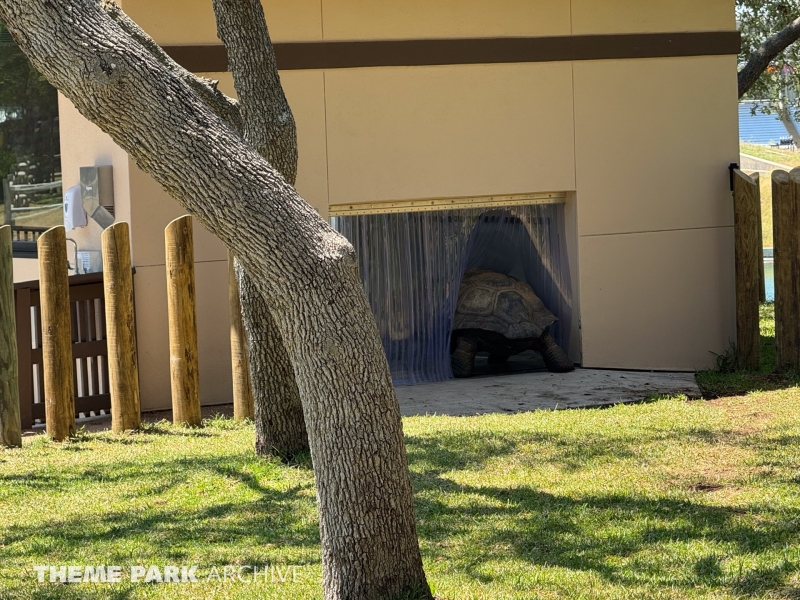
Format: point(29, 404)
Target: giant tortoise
point(502, 316)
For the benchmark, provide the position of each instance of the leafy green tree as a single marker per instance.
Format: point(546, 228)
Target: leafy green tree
point(28, 114)
point(769, 63)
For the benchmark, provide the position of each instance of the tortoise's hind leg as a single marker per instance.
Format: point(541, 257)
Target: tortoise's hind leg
point(463, 357)
point(555, 358)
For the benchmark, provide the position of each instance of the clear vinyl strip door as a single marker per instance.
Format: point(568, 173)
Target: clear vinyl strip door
point(411, 266)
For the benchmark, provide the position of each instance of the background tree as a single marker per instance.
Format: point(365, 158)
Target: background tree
point(770, 59)
point(28, 115)
point(169, 123)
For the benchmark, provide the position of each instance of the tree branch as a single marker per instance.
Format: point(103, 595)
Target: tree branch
point(766, 53)
point(226, 108)
point(268, 121)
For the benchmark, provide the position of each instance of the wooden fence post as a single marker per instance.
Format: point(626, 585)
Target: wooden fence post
point(59, 386)
point(8, 215)
point(123, 367)
point(785, 194)
point(746, 211)
point(182, 323)
point(243, 404)
point(10, 425)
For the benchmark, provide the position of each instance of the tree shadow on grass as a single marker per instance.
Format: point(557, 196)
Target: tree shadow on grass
point(152, 478)
point(621, 537)
point(251, 528)
point(259, 525)
point(475, 449)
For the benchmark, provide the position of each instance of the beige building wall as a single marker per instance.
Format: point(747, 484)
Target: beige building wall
point(192, 22)
point(641, 146)
point(635, 16)
point(401, 133)
point(415, 19)
point(655, 219)
point(25, 269)
point(659, 300)
point(305, 92)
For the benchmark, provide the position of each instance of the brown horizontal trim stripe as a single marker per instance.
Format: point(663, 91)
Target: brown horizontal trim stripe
point(293, 56)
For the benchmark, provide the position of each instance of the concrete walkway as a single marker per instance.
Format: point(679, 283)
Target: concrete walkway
point(508, 393)
point(541, 390)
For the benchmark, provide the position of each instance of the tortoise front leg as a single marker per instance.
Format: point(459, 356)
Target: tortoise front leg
point(555, 358)
point(463, 357)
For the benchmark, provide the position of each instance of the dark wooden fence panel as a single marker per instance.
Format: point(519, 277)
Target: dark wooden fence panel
point(89, 347)
point(24, 240)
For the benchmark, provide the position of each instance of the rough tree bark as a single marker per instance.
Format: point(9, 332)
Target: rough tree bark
point(279, 424)
point(305, 270)
point(226, 108)
point(269, 125)
point(765, 54)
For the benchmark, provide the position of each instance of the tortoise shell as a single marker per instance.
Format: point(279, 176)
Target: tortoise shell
point(496, 302)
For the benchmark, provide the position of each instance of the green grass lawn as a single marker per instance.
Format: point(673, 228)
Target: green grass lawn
point(667, 499)
point(726, 382)
point(50, 218)
point(788, 158)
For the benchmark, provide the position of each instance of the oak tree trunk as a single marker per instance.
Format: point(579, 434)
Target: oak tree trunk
point(279, 422)
point(268, 124)
point(306, 272)
point(275, 398)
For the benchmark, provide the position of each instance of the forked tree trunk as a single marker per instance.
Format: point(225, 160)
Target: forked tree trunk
point(279, 426)
point(306, 271)
point(269, 126)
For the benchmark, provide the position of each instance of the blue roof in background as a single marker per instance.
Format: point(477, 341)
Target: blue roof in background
point(759, 128)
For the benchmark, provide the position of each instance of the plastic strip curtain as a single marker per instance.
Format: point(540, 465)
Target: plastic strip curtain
point(411, 265)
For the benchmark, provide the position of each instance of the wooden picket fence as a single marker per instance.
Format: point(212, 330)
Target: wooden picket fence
point(75, 347)
point(75, 337)
point(88, 344)
point(786, 228)
point(750, 267)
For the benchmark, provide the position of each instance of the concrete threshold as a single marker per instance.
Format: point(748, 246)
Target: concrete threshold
point(541, 390)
